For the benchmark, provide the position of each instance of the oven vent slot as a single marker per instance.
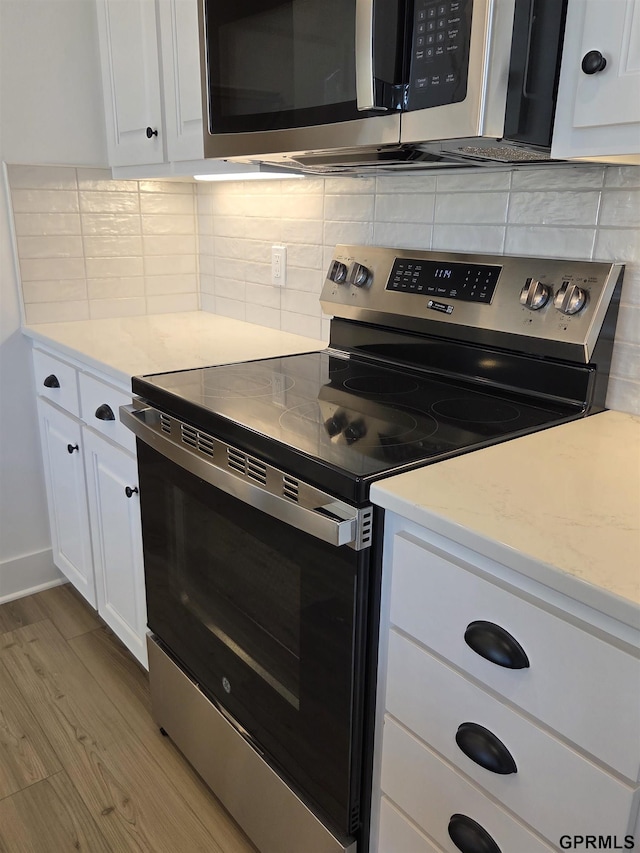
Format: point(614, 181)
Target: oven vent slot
point(165, 424)
point(257, 470)
point(366, 527)
point(290, 488)
point(199, 441)
point(237, 460)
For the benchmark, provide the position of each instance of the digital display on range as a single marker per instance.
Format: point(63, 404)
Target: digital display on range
point(444, 280)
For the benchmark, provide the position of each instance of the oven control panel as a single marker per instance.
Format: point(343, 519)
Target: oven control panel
point(474, 296)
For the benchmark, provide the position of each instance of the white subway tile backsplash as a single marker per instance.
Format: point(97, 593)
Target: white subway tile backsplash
point(115, 288)
point(120, 267)
point(50, 247)
point(620, 208)
point(565, 177)
point(482, 207)
point(90, 246)
point(469, 238)
point(101, 309)
point(547, 242)
point(47, 224)
point(109, 202)
point(173, 303)
point(554, 208)
point(38, 269)
point(112, 246)
point(349, 208)
point(56, 312)
point(404, 207)
point(44, 201)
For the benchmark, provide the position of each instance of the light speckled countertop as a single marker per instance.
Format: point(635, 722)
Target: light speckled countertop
point(128, 346)
point(561, 506)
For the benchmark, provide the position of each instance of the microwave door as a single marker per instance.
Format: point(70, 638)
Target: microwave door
point(459, 70)
point(280, 76)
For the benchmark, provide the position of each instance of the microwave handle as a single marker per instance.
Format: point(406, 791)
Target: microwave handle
point(315, 522)
point(365, 76)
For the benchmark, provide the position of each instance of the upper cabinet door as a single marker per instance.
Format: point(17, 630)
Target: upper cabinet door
point(131, 81)
point(598, 109)
point(181, 79)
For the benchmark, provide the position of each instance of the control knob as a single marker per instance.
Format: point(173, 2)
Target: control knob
point(337, 272)
point(359, 275)
point(534, 294)
point(570, 298)
point(355, 431)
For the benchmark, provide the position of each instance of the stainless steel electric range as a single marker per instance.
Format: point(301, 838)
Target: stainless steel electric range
point(262, 552)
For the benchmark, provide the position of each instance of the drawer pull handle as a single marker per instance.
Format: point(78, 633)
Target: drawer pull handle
point(72, 447)
point(492, 642)
point(483, 747)
point(469, 836)
point(105, 413)
point(130, 492)
point(51, 381)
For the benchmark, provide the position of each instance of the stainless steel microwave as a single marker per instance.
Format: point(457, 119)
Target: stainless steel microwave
point(339, 85)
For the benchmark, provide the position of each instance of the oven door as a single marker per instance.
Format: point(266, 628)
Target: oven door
point(266, 616)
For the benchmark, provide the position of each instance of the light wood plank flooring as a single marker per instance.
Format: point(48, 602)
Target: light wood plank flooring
point(83, 767)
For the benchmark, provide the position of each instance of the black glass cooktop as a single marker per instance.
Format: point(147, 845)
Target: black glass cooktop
point(348, 414)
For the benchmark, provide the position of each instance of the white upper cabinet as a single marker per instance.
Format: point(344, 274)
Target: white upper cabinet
point(131, 81)
point(181, 79)
point(151, 76)
point(598, 109)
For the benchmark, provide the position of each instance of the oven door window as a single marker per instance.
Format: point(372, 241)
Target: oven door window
point(266, 619)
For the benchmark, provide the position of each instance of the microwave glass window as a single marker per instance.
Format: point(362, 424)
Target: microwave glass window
point(279, 63)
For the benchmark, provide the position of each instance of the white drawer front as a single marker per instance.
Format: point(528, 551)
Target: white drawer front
point(397, 835)
point(433, 700)
point(577, 683)
point(61, 381)
point(98, 402)
point(431, 792)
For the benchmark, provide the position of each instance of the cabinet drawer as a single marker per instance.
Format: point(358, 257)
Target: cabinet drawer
point(100, 404)
point(434, 700)
point(431, 792)
point(57, 381)
point(397, 835)
point(578, 684)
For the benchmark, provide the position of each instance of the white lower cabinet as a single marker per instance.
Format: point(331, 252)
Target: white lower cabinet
point(114, 513)
point(91, 478)
point(61, 439)
point(508, 716)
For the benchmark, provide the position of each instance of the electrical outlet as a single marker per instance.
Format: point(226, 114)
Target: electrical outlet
point(278, 265)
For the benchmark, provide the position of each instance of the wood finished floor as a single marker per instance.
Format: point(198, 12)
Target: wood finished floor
point(83, 767)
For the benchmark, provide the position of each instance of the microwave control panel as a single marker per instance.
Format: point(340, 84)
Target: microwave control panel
point(439, 53)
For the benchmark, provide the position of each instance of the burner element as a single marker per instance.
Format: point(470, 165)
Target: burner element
point(476, 410)
point(234, 383)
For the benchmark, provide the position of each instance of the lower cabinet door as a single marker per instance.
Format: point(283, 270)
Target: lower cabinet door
point(114, 510)
point(61, 438)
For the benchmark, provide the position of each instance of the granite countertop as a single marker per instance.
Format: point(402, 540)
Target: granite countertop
point(131, 346)
point(561, 506)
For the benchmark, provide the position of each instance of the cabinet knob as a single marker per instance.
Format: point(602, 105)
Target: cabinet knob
point(130, 492)
point(72, 447)
point(493, 643)
point(151, 132)
point(51, 381)
point(593, 62)
point(483, 747)
point(469, 836)
point(105, 413)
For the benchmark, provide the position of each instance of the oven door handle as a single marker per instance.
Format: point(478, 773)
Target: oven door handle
point(332, 521)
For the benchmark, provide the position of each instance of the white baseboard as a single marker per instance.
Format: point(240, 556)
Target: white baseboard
point(28, 574)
